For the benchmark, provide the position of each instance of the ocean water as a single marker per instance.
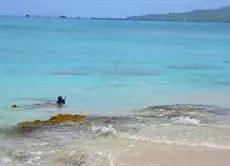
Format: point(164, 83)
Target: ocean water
point(146, 88)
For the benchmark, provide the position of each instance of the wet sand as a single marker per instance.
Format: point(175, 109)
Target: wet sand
point(175, 156)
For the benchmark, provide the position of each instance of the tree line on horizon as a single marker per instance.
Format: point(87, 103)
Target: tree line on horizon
point(210, 15)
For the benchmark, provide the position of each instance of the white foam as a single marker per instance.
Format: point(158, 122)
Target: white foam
point(36, 153)
point(30, 161)
point(5, 160)
point(186, 120)
point(165, 141)
point(111, 160)
point(104, 130)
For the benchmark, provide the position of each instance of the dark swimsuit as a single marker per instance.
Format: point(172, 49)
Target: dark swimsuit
point(60, 102)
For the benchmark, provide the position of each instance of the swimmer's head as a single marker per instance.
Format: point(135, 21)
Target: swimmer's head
point(59, 98)
point(14, 106)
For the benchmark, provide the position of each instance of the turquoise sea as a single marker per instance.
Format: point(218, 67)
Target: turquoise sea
point(114, 71)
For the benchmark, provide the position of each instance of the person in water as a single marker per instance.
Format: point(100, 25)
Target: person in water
point(60, 102)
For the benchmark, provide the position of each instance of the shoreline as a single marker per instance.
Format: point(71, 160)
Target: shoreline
point(111, 19)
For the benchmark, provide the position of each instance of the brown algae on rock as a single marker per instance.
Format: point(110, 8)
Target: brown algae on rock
point(60, 118)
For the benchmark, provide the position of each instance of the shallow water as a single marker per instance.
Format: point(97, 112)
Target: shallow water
point(180, 130)
point(126, 77)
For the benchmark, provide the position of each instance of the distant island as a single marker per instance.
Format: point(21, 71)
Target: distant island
point(210, 15)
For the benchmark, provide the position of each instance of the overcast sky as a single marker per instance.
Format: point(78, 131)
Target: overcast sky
point(104, 8)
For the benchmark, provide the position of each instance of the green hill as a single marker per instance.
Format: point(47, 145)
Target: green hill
point(211, 15)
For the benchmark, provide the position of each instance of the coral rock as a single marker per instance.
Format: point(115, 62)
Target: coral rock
point(60, 118)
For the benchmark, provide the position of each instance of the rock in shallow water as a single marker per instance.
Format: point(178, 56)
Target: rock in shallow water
point(60, 118)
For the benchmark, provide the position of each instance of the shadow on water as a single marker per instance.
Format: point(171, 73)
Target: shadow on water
point(115, 71)
point(194, 67)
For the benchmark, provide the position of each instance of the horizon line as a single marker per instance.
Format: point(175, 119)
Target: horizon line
point(102, 17)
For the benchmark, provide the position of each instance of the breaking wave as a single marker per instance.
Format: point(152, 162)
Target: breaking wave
point(98, 137)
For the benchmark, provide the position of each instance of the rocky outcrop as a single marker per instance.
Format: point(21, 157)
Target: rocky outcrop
point(60, 118)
